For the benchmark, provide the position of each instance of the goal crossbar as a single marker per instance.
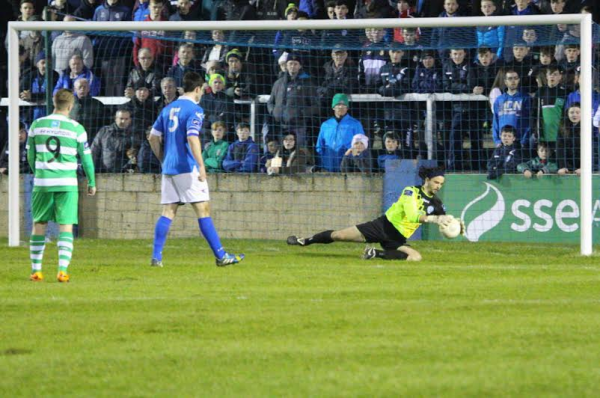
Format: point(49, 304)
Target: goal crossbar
point(583, 20)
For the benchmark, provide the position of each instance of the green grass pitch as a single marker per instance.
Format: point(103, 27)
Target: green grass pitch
point(471, 320)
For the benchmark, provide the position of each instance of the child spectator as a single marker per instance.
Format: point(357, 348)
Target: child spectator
point(404, 9)
point(216, 150)
point(570, 65)
point(552, 99)
point(427, 79)
point(539, 165)
point(514, 33)
point(272, 149)
point(506, 156)
point(538, 71)
point(569, 143)
point(391, 150)
point(490, 36)
point(357, 159)
point(243, 155)
point(330, 6)
point(290, 159)
point(344, 36)
point(522, 63)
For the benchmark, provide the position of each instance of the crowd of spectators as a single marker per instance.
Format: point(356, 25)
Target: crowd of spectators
point(530, 124)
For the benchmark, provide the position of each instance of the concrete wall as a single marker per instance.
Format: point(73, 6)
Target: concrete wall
point(243, 206)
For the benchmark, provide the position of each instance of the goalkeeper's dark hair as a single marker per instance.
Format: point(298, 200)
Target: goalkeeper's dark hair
point(191, 80)
point(431, 172)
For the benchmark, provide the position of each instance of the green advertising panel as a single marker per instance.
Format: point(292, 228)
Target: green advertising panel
point(516, 209)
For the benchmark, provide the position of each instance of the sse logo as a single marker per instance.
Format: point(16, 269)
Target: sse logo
point(491, 211)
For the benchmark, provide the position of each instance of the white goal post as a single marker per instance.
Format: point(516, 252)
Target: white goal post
point(583, 20)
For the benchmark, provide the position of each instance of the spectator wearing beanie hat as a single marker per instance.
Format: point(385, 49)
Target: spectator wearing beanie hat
point(357, 159)
point(336, 134)
point(33, 87)
point(292, 104)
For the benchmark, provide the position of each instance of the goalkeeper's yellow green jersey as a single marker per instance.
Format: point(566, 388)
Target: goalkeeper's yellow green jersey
point(412, 204)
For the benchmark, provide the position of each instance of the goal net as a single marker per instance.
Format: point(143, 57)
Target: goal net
point(304, 118)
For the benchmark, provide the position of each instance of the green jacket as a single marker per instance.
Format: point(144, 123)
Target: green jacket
point(213, 155)
point(536, 164)
point(552, 105)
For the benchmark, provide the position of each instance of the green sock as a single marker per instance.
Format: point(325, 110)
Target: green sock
point(65, 250)
point(37, 244)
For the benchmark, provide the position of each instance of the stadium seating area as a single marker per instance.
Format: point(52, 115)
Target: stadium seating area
point(329, 101)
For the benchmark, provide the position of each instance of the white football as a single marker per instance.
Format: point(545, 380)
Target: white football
point(451, 229)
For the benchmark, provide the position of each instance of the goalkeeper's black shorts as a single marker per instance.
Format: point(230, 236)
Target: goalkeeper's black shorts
point(383, 232)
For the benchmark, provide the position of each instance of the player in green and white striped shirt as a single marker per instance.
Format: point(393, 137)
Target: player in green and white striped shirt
point(53, 145)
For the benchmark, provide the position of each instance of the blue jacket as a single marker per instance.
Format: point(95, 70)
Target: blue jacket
point(177, 71)
point(65, 81)
point(492, 37)
point(513, 110)
point(242, 157)
point(117, 12)
point(427, 81)
point(335, 138)
point(446, 38)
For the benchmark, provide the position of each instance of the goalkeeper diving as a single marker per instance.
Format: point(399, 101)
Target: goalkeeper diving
point(417, 205)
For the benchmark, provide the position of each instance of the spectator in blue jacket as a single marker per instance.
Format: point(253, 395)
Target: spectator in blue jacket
point(243, 155)
point(512, 108)
point(391, 151)
point(335, 136)
point(75, 71)
point(490, 36)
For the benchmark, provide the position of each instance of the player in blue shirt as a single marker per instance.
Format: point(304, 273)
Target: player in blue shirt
point(176, 143)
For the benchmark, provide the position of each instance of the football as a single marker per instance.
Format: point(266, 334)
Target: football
point(451, 229)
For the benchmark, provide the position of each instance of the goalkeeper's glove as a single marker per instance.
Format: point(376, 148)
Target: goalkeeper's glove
point(440, 220)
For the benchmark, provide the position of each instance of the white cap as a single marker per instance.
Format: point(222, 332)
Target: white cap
point(361, 138)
